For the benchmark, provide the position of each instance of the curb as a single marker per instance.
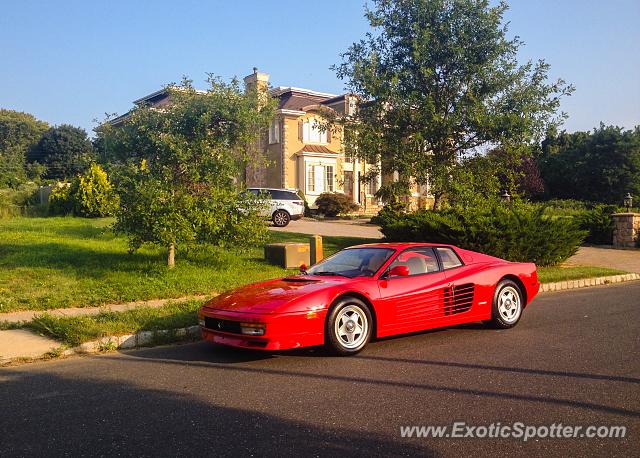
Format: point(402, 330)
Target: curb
point(124, 342)
point(140, 339)
point(587, 282)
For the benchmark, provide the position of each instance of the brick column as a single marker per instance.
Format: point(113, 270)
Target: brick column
point(626, 229)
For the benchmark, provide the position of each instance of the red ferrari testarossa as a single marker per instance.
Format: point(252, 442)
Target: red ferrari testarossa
point(370, 291)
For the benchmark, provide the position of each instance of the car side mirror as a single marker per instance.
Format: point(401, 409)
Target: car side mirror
point(303, 268)
point(399, 271)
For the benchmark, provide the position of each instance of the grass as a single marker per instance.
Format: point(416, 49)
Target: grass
point(76, 330)
point(48, 263)
point(554, 274)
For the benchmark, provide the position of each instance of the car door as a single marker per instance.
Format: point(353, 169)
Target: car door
point(460, 291)
point(412, 302)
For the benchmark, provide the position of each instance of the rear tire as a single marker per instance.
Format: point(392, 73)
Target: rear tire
point(281, 218)
point(508, 303)
point(348, 327)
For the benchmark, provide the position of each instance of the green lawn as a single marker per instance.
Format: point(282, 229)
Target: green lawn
point(78, 329)
point(554, 274)
point(48, 263)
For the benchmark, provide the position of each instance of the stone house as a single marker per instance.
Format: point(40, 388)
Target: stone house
point(300, 154)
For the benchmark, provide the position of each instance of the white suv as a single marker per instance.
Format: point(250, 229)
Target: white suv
point(285, 205)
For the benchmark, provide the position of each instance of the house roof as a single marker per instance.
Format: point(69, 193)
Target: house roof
point(316, 149)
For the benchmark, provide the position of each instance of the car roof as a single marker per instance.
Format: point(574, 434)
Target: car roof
point(401, 245)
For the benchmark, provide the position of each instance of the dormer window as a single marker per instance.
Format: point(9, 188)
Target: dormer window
point(311, 132)
point(274, 132)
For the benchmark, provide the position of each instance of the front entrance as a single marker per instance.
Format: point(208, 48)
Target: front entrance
point(348, 183)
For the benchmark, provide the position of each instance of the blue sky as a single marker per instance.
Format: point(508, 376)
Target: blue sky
point(73, 61)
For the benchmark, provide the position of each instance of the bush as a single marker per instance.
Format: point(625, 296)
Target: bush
point(90, 195)
point(390, 211)
point(599, 223)
point(60, 200)
point(335, 203)
point(93, 193)
point(519, 232)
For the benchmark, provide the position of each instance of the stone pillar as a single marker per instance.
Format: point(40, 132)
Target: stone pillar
point(626, 229)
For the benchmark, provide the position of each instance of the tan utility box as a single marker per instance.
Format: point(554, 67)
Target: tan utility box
point(289, 255)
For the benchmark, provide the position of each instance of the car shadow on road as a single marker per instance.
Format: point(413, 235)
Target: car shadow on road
point(85, 416)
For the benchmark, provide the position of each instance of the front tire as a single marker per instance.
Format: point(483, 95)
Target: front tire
point(508, 303)
point(281, 218)
point(348, 327)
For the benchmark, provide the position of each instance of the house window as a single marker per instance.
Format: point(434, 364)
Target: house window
point(274, 132)
point(311, 132)
point(311, 179)
point(329, 178)
point(372, 186)
point(320, 178)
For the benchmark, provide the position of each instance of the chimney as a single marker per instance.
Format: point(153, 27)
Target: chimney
point(257, 79)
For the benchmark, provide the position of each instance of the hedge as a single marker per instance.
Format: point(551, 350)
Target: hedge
point(516, 232)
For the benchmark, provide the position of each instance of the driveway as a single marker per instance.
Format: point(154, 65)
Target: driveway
point(573, 359)
point(628, 260)
point(341, 228)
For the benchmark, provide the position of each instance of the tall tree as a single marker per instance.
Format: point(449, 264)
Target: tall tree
point(179, 165)
point(18, 132)
point(65, 150)
point(599, 166)
point(439, 79)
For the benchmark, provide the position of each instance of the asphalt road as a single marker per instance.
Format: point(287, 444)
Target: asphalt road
point(573, 359)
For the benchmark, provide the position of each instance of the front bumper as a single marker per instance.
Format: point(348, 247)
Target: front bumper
point(282, 330)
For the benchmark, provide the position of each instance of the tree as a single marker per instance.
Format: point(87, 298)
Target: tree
point(438, 80)
point(18, 132)
point(598, 166)
point(177, 176)
point(65, 150)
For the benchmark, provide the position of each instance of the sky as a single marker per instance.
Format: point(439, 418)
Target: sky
point(73, 61)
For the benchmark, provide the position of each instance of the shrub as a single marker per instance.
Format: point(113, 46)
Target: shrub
point(599, 223)
point(60, 200)
point(518, 232)
point(90, 195)
point(93, 194)
point(390, 211)
point(335, 203)
point(565, 207)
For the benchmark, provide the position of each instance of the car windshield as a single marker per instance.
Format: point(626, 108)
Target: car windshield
point(353, 262)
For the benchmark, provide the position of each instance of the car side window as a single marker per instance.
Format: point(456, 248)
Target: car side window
point(449, 258)
point(283, 195)
point(421, 260)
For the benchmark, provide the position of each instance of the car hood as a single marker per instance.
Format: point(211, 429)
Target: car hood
point(270, 296)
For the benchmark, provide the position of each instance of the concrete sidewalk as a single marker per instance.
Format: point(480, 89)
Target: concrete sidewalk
point(21, 343)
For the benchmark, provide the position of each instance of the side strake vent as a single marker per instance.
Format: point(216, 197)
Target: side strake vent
point(458, 299)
